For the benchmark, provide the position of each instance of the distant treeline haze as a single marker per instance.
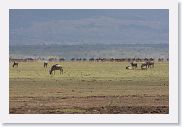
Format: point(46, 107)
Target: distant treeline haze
point(86, 52)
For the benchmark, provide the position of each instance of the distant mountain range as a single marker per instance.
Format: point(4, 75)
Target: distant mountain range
point(78, 27)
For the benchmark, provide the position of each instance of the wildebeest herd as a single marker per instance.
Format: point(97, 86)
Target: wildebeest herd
point(52, 69)
point(91, 59)
point(144, 65)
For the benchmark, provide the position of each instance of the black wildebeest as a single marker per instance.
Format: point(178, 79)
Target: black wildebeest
point(56, 67)
point(45, 64)
point(15, 64)
point(133, 64)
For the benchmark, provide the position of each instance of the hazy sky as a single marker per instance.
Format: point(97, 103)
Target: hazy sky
point(80, 26)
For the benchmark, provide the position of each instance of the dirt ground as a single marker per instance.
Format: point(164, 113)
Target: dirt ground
point(91, 105)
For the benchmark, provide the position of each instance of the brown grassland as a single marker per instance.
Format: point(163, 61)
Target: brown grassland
point(88, 88)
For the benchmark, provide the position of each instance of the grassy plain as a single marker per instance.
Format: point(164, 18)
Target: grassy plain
point(88, 87)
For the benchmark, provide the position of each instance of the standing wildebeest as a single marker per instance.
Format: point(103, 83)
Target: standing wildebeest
point(150, 64)
point(15, 64)
point(45, 64)
point(133, 64)
point(56, 67)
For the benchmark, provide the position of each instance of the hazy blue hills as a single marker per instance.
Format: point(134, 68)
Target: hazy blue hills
point(88, 26)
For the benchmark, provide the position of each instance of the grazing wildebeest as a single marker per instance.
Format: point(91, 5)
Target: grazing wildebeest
point(128, 67)
point(15, 64)
point(45, 64)
point(56, 67)
point(144, 66)
point(133, 64)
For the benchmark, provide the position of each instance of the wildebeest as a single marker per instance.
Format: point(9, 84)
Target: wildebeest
point(15, 64)
point(128, 67)
point(61, 59)
point(56, 67)
point(91, 59)
point(84, 59)
point(72, 59)
point(144, 66)
point(167, 59)
point(160, 60)
point(45, 64)
point(150, 64)
point(133, 64)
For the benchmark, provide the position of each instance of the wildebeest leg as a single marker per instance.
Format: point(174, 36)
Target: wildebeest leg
point(54, 72)
point(61, 71)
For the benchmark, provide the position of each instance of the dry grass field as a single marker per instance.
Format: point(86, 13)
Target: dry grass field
point(88, 88)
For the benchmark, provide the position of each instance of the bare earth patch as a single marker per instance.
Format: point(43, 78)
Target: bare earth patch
point(90, 105)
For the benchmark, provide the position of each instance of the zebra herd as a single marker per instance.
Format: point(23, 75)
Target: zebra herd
point(144, 65)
